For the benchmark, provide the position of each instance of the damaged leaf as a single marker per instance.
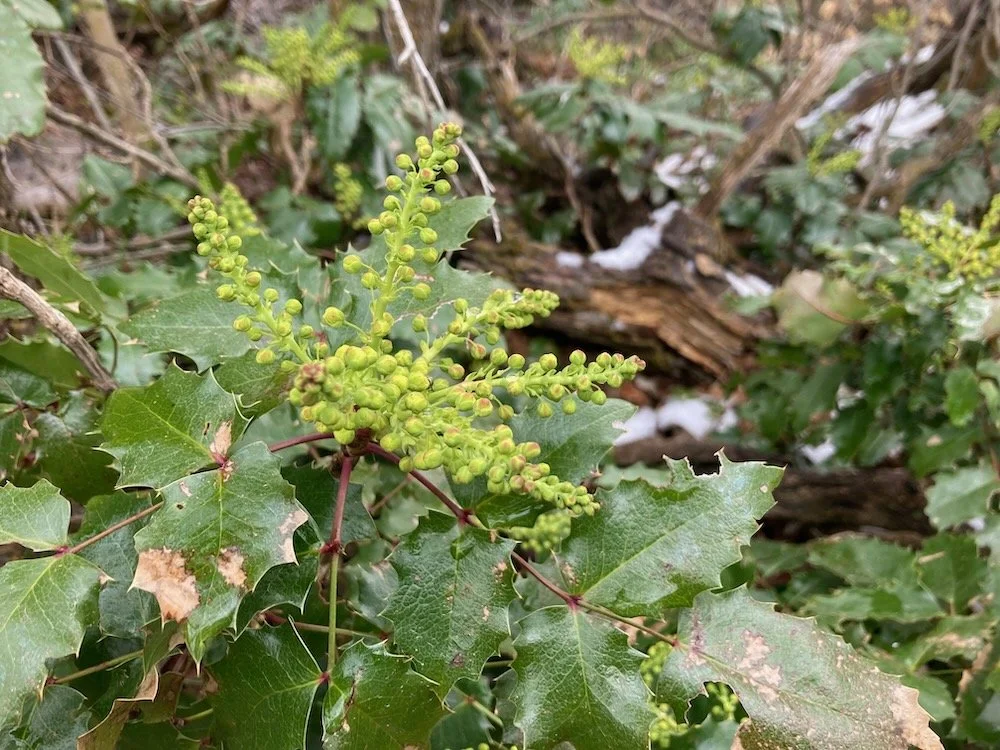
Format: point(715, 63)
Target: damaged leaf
point(216, 536)
point(802, 687)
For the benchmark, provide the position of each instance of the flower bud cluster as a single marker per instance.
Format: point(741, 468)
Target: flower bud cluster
point(425, 407)
point(232, 205)
point(222, 248)
point(547, 533)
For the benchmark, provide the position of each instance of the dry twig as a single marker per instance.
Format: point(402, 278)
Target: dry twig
point(13, 288)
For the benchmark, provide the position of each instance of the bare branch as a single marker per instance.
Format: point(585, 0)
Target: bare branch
point(13, 288)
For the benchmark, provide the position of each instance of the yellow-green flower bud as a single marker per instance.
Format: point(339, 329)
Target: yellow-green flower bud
point(353, 263)
point(429, 255)
point(548, 362)
point(293, 307)
point(226, 292)
point(393, 182)
point(306, 332)
point(252, 279)
point(271, 294)
point(243, 323)
point(265, 356)
point(428, 236)
point(333, 317)
point(370, 280)
point(406, 253)
point(403, 161)
point(421, 291)
point(375, 227)
point(419, 324)
point(450, 166)
point(255, 334)
point(442, 187)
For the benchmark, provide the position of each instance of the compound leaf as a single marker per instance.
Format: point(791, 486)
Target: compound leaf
point(163, 431)
point(216, 536)
point(376, 701)
point(450, 609)
point(802, 687)
point(266, 685)
point(45, 606)
point(578, 681)
point(650, 547)
point(35, 517)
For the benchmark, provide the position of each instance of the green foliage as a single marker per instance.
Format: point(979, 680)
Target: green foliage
point(23, 92)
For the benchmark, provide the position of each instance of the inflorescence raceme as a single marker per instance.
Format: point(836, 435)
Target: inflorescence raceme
point(426, 407)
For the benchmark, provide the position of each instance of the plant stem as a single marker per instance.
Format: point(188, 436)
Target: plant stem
point(97, 668)
point(334, 548)
point(200, 715)
point(292, 442)
point(312, 627)
point(112, 529)
point(476, 704)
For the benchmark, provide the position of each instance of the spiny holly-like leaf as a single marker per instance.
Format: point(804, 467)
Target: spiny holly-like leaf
point(45, 606)
point(649, 547)
point(35, 517)
point(266, 685)
point(961, 495)
point(67, 455)
point(21, 387)
point(950, 567)
point(802, 686)
point(578, 682)
point(216, 536)
point(160, 433)
point(450, 609)
point(196, 324)
point(376, 701)
point(123, 611)
point(951, 637)
point(56, 273)
point(52, 722)
point(883, 578)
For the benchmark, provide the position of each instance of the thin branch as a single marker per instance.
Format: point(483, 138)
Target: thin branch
point(412, 55)
point(300, 440)
point(13, 288)
point(334, 548)
point(96, 668)
point(274, 618)
point(112, 529)
point(109, 139)
point(88, 91)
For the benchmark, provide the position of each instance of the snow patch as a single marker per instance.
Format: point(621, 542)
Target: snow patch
point(819, 454)
point(639, 243)
point(748, 285)
point(639, 426)
point(567, 259)
point(917, 114)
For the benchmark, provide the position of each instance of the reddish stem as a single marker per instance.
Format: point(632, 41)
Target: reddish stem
point(292, 442)
point(109, 531)
point(463, 515)
point(334, 545)
point(571, 600)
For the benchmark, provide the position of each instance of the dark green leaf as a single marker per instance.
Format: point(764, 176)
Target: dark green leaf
point(45, 605)
point(35, 517)
point(18, 386)
point(52, 722)
point(123, 610)
point(197, 324)
point(70, 459)
point(260, 387)
point(336, 113)
point(163, 431)
point(950, 567)
point(266, 685)
point(376, 701)
point(578, 682)
point(56, 273)
point(450, 609)
point(649, 548)
point(961, 395)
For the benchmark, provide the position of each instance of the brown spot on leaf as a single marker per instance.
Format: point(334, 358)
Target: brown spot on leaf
point(287, 529)
point(499, 569)
point(164, 574)
point(230, 565)
point(458, 660)
point(486, 614)
point(222, 441)
point(766, 678)
point(911, 720)
point(184, 489)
